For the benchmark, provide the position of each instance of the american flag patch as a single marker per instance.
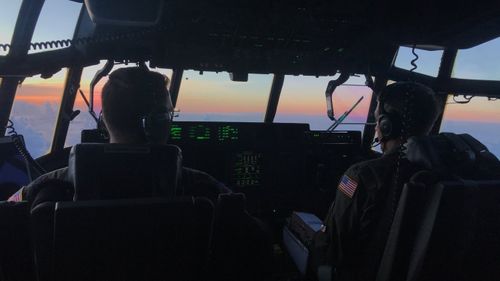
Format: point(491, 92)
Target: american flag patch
point(348, 186)
point(16, 197)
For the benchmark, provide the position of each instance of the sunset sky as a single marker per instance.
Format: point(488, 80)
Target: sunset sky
point(215, 97)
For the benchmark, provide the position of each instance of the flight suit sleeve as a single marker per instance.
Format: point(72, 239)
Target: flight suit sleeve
point(336, 244)
point(29, 192)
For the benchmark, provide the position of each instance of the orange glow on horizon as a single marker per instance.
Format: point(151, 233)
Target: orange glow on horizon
point(478, 109)
point(193, 102)
point(38, 100)
point(52, 93)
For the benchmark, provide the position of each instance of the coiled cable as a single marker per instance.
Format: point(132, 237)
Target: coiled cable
point(406, 122)
point(19, 144)
point(414, 60)
point(87, 40)
point(11, 131)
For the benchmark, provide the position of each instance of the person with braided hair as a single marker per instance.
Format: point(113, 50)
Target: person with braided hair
point(351, 241)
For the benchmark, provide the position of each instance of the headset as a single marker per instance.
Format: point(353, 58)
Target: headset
point(156, 123)
point(390, 123)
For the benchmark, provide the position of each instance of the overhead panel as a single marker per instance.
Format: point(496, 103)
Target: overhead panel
point(316, 38)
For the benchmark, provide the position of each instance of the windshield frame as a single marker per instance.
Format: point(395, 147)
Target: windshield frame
point(32, 64)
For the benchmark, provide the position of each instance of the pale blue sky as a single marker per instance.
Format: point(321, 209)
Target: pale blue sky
point(57, 20)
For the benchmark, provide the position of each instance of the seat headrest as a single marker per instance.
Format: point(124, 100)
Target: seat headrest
point(445, 153)
point(113, 171)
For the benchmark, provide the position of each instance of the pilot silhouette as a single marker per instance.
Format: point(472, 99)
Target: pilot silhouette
point(351, 241)
point(132, 99)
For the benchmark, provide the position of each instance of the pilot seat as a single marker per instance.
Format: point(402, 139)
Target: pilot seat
point(446, 223)
point(128, 220)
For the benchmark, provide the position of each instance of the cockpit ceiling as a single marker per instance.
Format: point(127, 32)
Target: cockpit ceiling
point(315, 37)
point(460, 24)
point(303, 37)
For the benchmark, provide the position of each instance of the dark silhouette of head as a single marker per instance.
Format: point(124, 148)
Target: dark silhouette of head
point(136, 106)
point(407, 108)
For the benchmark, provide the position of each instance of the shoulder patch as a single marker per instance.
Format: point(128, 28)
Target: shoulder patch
point(348, 186)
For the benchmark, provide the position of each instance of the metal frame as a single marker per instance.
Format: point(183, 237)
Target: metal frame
point(274, 97)
point(445, 71)
point(454, 85)
point(21, 39)
point(71, 87)
point(83, 27)
point(35, 64)
point(175, 85)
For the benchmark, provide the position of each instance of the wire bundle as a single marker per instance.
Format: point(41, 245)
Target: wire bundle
point(46, 45)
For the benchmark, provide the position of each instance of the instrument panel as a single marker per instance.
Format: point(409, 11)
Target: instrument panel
point(279, 166)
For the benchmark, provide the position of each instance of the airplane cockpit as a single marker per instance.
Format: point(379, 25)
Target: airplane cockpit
point(273, 99)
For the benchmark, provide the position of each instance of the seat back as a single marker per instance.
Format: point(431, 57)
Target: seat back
point(451, 154)
point(464, 243)
point(446, 223)
point(114, 171)
point(16, 255)
point(140, 239)
point(445, 231)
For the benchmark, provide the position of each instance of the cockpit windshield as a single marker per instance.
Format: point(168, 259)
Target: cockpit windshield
point(35, 110)
point(427, 63)
point(211, 96)
point(480, 62)
point(479, 117)
point(8, 17)
point(57, 21)
point(303, 101)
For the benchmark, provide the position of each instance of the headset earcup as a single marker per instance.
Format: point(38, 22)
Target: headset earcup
point(385, 126)
point(156, 126)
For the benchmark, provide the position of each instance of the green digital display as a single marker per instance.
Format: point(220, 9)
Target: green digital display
point(228, 132)
point(176, 132)
point(199, 133)
point(247, 169)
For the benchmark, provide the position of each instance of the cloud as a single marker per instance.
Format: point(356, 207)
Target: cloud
point(81, 122)
point(36, 123)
